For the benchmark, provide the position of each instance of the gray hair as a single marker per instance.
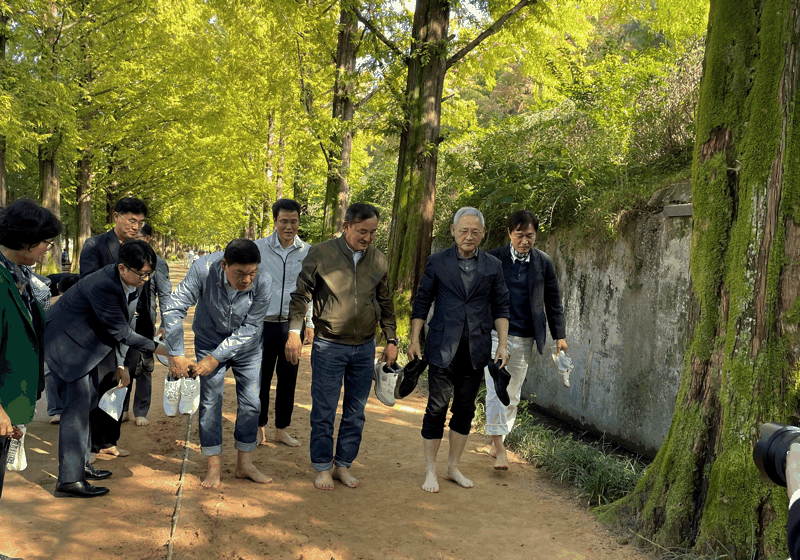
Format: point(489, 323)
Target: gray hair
point(468, 211)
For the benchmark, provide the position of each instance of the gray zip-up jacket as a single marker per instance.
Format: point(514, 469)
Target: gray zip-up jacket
point(284, 274)
point(229, 324)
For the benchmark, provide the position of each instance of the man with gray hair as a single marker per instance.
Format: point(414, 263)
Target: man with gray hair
point(470, 293)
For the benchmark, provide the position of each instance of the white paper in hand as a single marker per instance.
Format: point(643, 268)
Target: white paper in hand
point(564, 366)
point(17, 461)
point(111, 402)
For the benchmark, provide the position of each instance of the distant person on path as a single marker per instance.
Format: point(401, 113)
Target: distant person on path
point(27, 232)
point(232, 297)
point(535, 303)
point(100, 251)
point(156, 290)
point(346, 279)
point(282, 255)
point(89, 330)
point(470, 294)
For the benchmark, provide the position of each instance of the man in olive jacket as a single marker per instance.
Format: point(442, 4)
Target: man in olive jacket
point(347, 280)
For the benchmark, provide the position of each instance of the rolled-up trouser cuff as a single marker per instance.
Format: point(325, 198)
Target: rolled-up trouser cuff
point(247, 447)
point(213, 450)
point(319, 467)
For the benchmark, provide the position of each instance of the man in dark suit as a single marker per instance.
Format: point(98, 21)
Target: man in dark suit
point(157, 289)
point(100, 251)
point(470, 293)
point(535, 303)
point(87, 334)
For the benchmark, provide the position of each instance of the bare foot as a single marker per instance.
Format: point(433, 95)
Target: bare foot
point(343, 475)
point(324, 481)
point(431, 484)
point(456, 476)
point(492, 451)
point(282, 437)
point(501, 463)
point(55, 419)
point(250, 471)
point(115, 451)
point(212, 479)
point(261, 438)
point(141, 421)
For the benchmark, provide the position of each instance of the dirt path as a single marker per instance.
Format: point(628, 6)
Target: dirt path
point(518, 514)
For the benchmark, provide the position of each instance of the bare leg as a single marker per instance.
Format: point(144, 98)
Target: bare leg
point(262, 435)
point(282, 437)
point(343, 474)
point(324, 480)
point(431, 448)
point(246, 469)
point(457, 444)
point(213, 474)
point(501, 464)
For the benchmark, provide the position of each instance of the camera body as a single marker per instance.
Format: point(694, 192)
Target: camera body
point(769, 454)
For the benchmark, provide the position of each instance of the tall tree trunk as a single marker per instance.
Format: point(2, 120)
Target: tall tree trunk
point(415, 186)
point(279, 170)
point(337, 188)
point(741, 365)
point(50, 188)
point(3, 180)
point(83, 214)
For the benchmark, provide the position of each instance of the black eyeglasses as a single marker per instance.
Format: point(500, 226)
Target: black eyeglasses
point(49, 243)
point(144, 276)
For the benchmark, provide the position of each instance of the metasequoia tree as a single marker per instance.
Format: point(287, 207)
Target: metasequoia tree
point(740, 370)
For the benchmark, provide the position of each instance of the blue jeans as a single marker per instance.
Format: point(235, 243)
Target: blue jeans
point(331, 364)
point(246, 367)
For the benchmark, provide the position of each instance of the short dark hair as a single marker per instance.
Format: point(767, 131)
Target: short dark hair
point(135, 253)
point(523, 219)
point(25, 224)
point(361, 211)
point(130, 205)
point(241, 251)
point(286, 204)
point(147, 230)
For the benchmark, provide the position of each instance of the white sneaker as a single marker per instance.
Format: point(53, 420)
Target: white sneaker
point(385, 380)
point(563, 367)
point(190, 395)
point(172, 395)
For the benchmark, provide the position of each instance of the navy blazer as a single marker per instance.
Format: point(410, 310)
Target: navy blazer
point(545, 299)
point(793, 531)
point(99, 251)
point(486, 301)
point(87, 323)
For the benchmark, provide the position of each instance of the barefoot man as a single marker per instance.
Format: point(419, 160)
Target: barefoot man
point(470, 293)
point(346, 279)
point(232, 296)
point(282, 254)
point(535, 304)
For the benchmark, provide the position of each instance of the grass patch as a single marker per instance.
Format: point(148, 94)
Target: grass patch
point(600, 471)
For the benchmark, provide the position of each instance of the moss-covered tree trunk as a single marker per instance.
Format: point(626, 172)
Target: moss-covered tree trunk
point(3, 181)
point(337, 188)
point(741, 365)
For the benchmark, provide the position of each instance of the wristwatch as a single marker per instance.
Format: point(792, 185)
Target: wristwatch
point(391, 341)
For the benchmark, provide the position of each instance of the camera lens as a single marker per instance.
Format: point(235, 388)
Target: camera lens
point(769, 454)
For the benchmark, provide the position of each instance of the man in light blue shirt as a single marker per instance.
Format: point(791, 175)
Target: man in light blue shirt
point(282, 255)
point(232, 297)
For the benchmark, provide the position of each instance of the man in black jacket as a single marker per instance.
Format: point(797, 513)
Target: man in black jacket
point(88, 333)
point(535, 303)
point(470, 295)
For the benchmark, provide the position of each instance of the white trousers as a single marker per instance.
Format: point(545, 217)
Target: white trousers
point(500, 419)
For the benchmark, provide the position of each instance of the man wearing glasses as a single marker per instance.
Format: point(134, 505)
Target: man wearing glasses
point(232, 296)
point(88, 333)
point(100, 251)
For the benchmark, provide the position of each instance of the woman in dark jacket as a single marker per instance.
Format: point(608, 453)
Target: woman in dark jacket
point(27, 231)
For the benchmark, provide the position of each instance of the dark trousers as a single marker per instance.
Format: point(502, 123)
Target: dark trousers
point(144, 386)
point(105, 430)
point(459, 381)
point(274, 360)
point(4, 443)
point(74, 434)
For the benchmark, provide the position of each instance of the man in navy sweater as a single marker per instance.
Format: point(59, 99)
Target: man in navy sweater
point(535, 304)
